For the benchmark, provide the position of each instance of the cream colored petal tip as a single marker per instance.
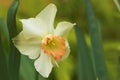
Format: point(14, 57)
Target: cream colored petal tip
point(51, 9)
point(43, 65)
point(47, 15)
point(52, 5)
point(63, 28)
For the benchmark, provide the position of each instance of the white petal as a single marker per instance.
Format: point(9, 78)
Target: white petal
point(28, 45)
point(67, 51)
point(34, 26)
point(43, 65)
point(63, 28)
point(48, 15)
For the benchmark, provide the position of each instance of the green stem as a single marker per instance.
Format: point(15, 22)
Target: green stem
point(117, 4)
point(86, 68)
point(3, 63)
point(118, 69)
point(14, 56)
point(11, 19)
point(95, 35)
point(36, 75)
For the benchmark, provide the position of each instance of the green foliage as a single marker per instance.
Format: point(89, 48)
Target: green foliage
point(14, 55)
point(86, 67)
point(27, 67)
point(96, 42)
point(3, 64)
point(4, 35)
point(118, 69)
point(3, 60)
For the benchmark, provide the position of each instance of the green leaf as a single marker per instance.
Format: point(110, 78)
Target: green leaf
point(95, 35)
point(11, 19)
point(14, 57)
point(3, 62)
point(118, 69)
point(37, 76)
point(27, 70)
point(5, 34)
point(86, 70)
point(117, 4)
point(4, 30)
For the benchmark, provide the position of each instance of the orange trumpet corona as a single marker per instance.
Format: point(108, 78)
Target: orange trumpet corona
point(54, 45)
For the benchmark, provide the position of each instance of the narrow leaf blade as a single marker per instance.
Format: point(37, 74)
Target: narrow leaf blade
point(14, 57)
point(85, 62)
point(118, 69)
point(3, 62)
point(95, 35)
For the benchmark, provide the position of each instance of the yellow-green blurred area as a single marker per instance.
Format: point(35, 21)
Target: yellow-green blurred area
point(74, 11)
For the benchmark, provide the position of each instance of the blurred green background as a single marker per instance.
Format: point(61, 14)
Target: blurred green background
point(74, 11)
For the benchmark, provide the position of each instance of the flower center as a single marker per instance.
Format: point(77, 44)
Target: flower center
point(54, 45)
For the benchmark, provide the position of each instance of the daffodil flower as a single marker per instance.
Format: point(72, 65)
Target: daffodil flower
point(40, 41)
